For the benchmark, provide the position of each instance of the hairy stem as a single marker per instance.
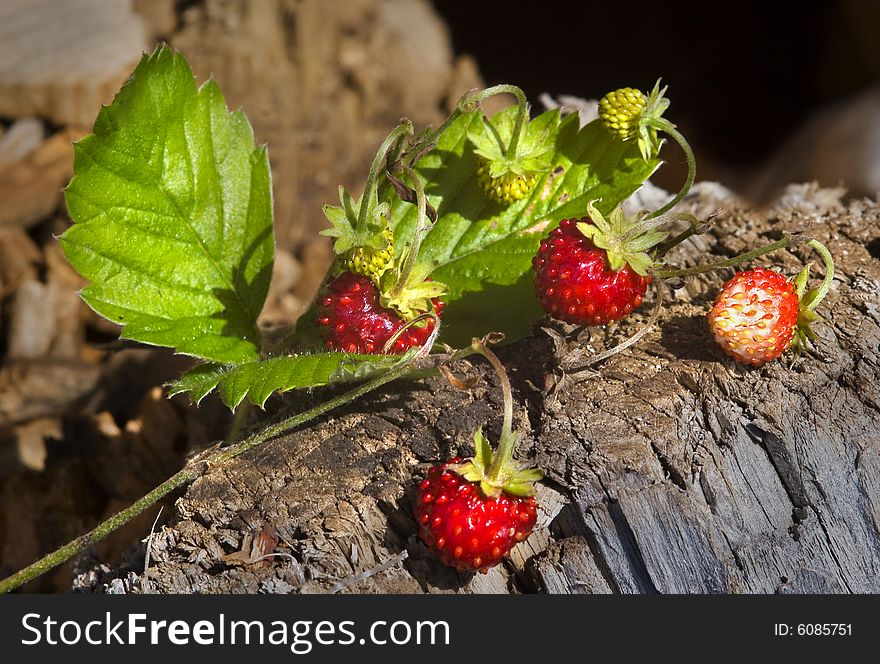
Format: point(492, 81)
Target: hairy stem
point(423, 225)
point(239, 420)
point(666, 126)
point(473, 99)
point(198, 466)
point(669, 273)
point(829, 273)
point(504, 454)
point(405, 128)
point(695, 226)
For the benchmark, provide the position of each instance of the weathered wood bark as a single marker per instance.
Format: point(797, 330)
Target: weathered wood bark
point(669, 468)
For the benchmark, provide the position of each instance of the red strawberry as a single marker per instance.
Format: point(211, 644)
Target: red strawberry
point(352, 319)
point(755, 316)
point(577, 283)
point(463, 526)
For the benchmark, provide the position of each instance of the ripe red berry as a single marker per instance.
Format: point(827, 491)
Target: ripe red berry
point(755, 316)
point(465, 528)
point(351, 318)
point(575, 283)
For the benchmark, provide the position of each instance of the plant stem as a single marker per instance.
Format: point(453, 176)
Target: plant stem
point(239, 420)
point(665, 125)
point(730, 262)
point(694, 226)
point(82, 542)
point(474, 99)
point(405, 128)
point(198, 466)
point(422, 228)
point(507, 443)
point(829, 273)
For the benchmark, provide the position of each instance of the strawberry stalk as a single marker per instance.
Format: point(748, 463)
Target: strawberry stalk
point(695, 227)
point(470, 101)
point(361, 235)
point(504, 454)
point(666, 126)
point(405, 128)
point(496, 472)
point(822, 291)
point(671, 273)
point(423, 226)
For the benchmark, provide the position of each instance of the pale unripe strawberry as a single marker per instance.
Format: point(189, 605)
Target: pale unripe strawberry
point(507, 188)
point(372, 262)
point(755, 316)
point(621, 110)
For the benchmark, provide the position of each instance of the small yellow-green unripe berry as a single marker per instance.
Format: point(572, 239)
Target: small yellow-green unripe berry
point(507, 188)
point(372, 262)
point(620, 111)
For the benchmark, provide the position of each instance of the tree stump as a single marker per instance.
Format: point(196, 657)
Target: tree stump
point(670, 469)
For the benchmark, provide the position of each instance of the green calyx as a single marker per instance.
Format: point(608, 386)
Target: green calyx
point(513, 151)
point(626, 241)
point(495, 474)
point(346, 229)
point(410, 294)
point(803, 333)
point(629, 114)
point(810, 299)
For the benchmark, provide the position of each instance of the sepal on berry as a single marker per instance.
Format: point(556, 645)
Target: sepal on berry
point(648, 141)
point(809, 300)
point(415, 296)
point(344, 223)
point(625, 240)
point(804, 334)
point(508, 169)
point(511, 478)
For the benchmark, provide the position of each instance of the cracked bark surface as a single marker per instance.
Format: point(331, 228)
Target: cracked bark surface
point(669, 468)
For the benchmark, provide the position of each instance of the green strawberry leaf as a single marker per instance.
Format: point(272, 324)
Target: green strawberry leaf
point(477, 243)
point(173, 209)
point(258, 380)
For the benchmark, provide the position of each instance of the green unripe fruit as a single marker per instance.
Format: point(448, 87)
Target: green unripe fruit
point(372, 262)
point(621, 110)
point(507, 188)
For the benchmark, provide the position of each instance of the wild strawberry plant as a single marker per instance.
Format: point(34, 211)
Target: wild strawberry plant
point(173, 228)
point(172, 208)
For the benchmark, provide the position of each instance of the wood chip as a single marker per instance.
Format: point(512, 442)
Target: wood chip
point(31, 188)
point(34, 388)
point(23, 137)
point(32, 322)
point(18, 257)
point(62, 60)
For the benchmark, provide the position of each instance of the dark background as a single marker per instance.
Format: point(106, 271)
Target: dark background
point(742, 75)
